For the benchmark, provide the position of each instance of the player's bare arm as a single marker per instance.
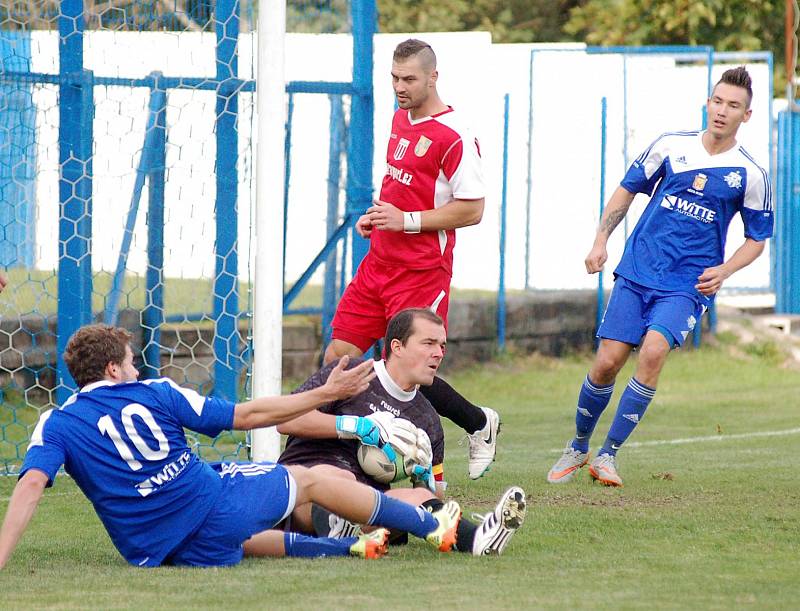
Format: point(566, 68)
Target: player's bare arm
point(615, 211)
point(712, 278)
point(313, 425)
point(24, 501)
point(453, 215)
point(268, 411)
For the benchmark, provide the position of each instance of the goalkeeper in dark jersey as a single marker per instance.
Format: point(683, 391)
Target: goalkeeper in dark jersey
point(328, 439)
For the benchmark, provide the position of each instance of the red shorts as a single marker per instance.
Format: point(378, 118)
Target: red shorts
point(379, 291)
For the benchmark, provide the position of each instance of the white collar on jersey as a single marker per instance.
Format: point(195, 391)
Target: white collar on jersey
point(93, 385)
point(390, 385)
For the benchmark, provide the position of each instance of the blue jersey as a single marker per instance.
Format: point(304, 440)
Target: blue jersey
point(695, 195)
point(125, 446)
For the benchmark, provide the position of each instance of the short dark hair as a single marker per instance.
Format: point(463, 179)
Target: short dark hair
point(413, 47)
point(401, 327)
point(738, 77)
point(92, 348)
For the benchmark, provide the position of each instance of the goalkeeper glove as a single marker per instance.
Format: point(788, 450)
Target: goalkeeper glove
point(424, 477)
point(369, 430)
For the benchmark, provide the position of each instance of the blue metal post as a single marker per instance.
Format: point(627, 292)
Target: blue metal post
point(153, 312)
point(697, 334)
point(360, 146)
point(287, 175)
point(332, 220)
point(787, 244)
point(76, 110)
point(145, 163)
point(529, 194)
point(501, 289)
point(601, 298)
point(226, 289)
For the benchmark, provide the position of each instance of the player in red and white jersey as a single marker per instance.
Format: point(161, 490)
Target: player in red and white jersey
point(430, 162)
point(432, 186)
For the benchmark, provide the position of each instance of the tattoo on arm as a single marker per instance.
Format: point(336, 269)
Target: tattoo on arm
point(612, 219)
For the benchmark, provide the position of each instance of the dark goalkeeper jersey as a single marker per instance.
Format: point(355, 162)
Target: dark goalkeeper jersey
point(382, 395)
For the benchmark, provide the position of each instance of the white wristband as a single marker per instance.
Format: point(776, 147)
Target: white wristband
point(412, 222)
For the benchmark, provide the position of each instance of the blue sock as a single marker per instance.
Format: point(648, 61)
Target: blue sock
point(392, 513)
point(592, 400)
point(632, 406)
point(301, 546)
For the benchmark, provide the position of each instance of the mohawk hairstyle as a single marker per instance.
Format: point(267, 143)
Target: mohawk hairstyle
point(738, 77)
point(413, 47)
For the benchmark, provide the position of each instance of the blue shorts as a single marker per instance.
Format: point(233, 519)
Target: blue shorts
point(632, 309)
point(254, 497)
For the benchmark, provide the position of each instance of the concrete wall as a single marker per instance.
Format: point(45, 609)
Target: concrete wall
point(547, 322)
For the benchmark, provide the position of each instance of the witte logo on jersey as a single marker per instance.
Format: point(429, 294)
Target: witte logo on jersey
point(734, 180)
point(401, 149)
point(699, 182)
point(423, 144)
point(687, 208)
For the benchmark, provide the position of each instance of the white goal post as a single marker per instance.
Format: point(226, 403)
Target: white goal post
point(268, 275)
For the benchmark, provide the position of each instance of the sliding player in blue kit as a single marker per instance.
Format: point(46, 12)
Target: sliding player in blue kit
point(123, 443)
point(673, 264)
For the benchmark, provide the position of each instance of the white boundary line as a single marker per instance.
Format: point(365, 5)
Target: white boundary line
point(667, 442)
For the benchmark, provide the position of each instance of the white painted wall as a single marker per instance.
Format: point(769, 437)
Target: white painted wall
point(474, 76)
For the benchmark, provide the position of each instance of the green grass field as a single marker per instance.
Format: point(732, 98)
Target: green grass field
point(702, 524)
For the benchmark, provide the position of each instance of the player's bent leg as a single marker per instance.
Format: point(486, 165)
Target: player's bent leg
point(277, 544)
point(482, 424)
point(338, 348)
point(362, 504)
point(305, 517)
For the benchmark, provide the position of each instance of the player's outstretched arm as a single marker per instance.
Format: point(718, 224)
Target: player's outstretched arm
point(24, 501)
point(268, 411)
point(615, 211)
point(710, 281)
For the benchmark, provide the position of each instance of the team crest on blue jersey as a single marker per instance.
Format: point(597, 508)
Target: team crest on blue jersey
point(699, 182)
point(423, 144)
point(734, 180)
point(401, 149)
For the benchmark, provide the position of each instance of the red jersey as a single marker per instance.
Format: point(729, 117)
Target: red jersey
point(429, 162)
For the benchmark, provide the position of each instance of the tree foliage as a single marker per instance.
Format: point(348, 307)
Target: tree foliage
point(727, 25)
point(507, 20)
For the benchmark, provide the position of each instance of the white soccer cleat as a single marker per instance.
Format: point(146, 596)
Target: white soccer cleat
point(497, 527)
point(341, 528)
point(604, 470)
point(483, 445)
point(567, 466)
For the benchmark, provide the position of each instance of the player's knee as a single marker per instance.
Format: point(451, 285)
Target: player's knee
point(604, 369)
point(652, 356)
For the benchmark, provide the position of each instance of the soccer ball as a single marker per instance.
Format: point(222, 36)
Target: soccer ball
point(377, 465)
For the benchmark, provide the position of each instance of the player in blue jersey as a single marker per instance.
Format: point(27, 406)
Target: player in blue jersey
point(123, 443)
point(673, 263)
